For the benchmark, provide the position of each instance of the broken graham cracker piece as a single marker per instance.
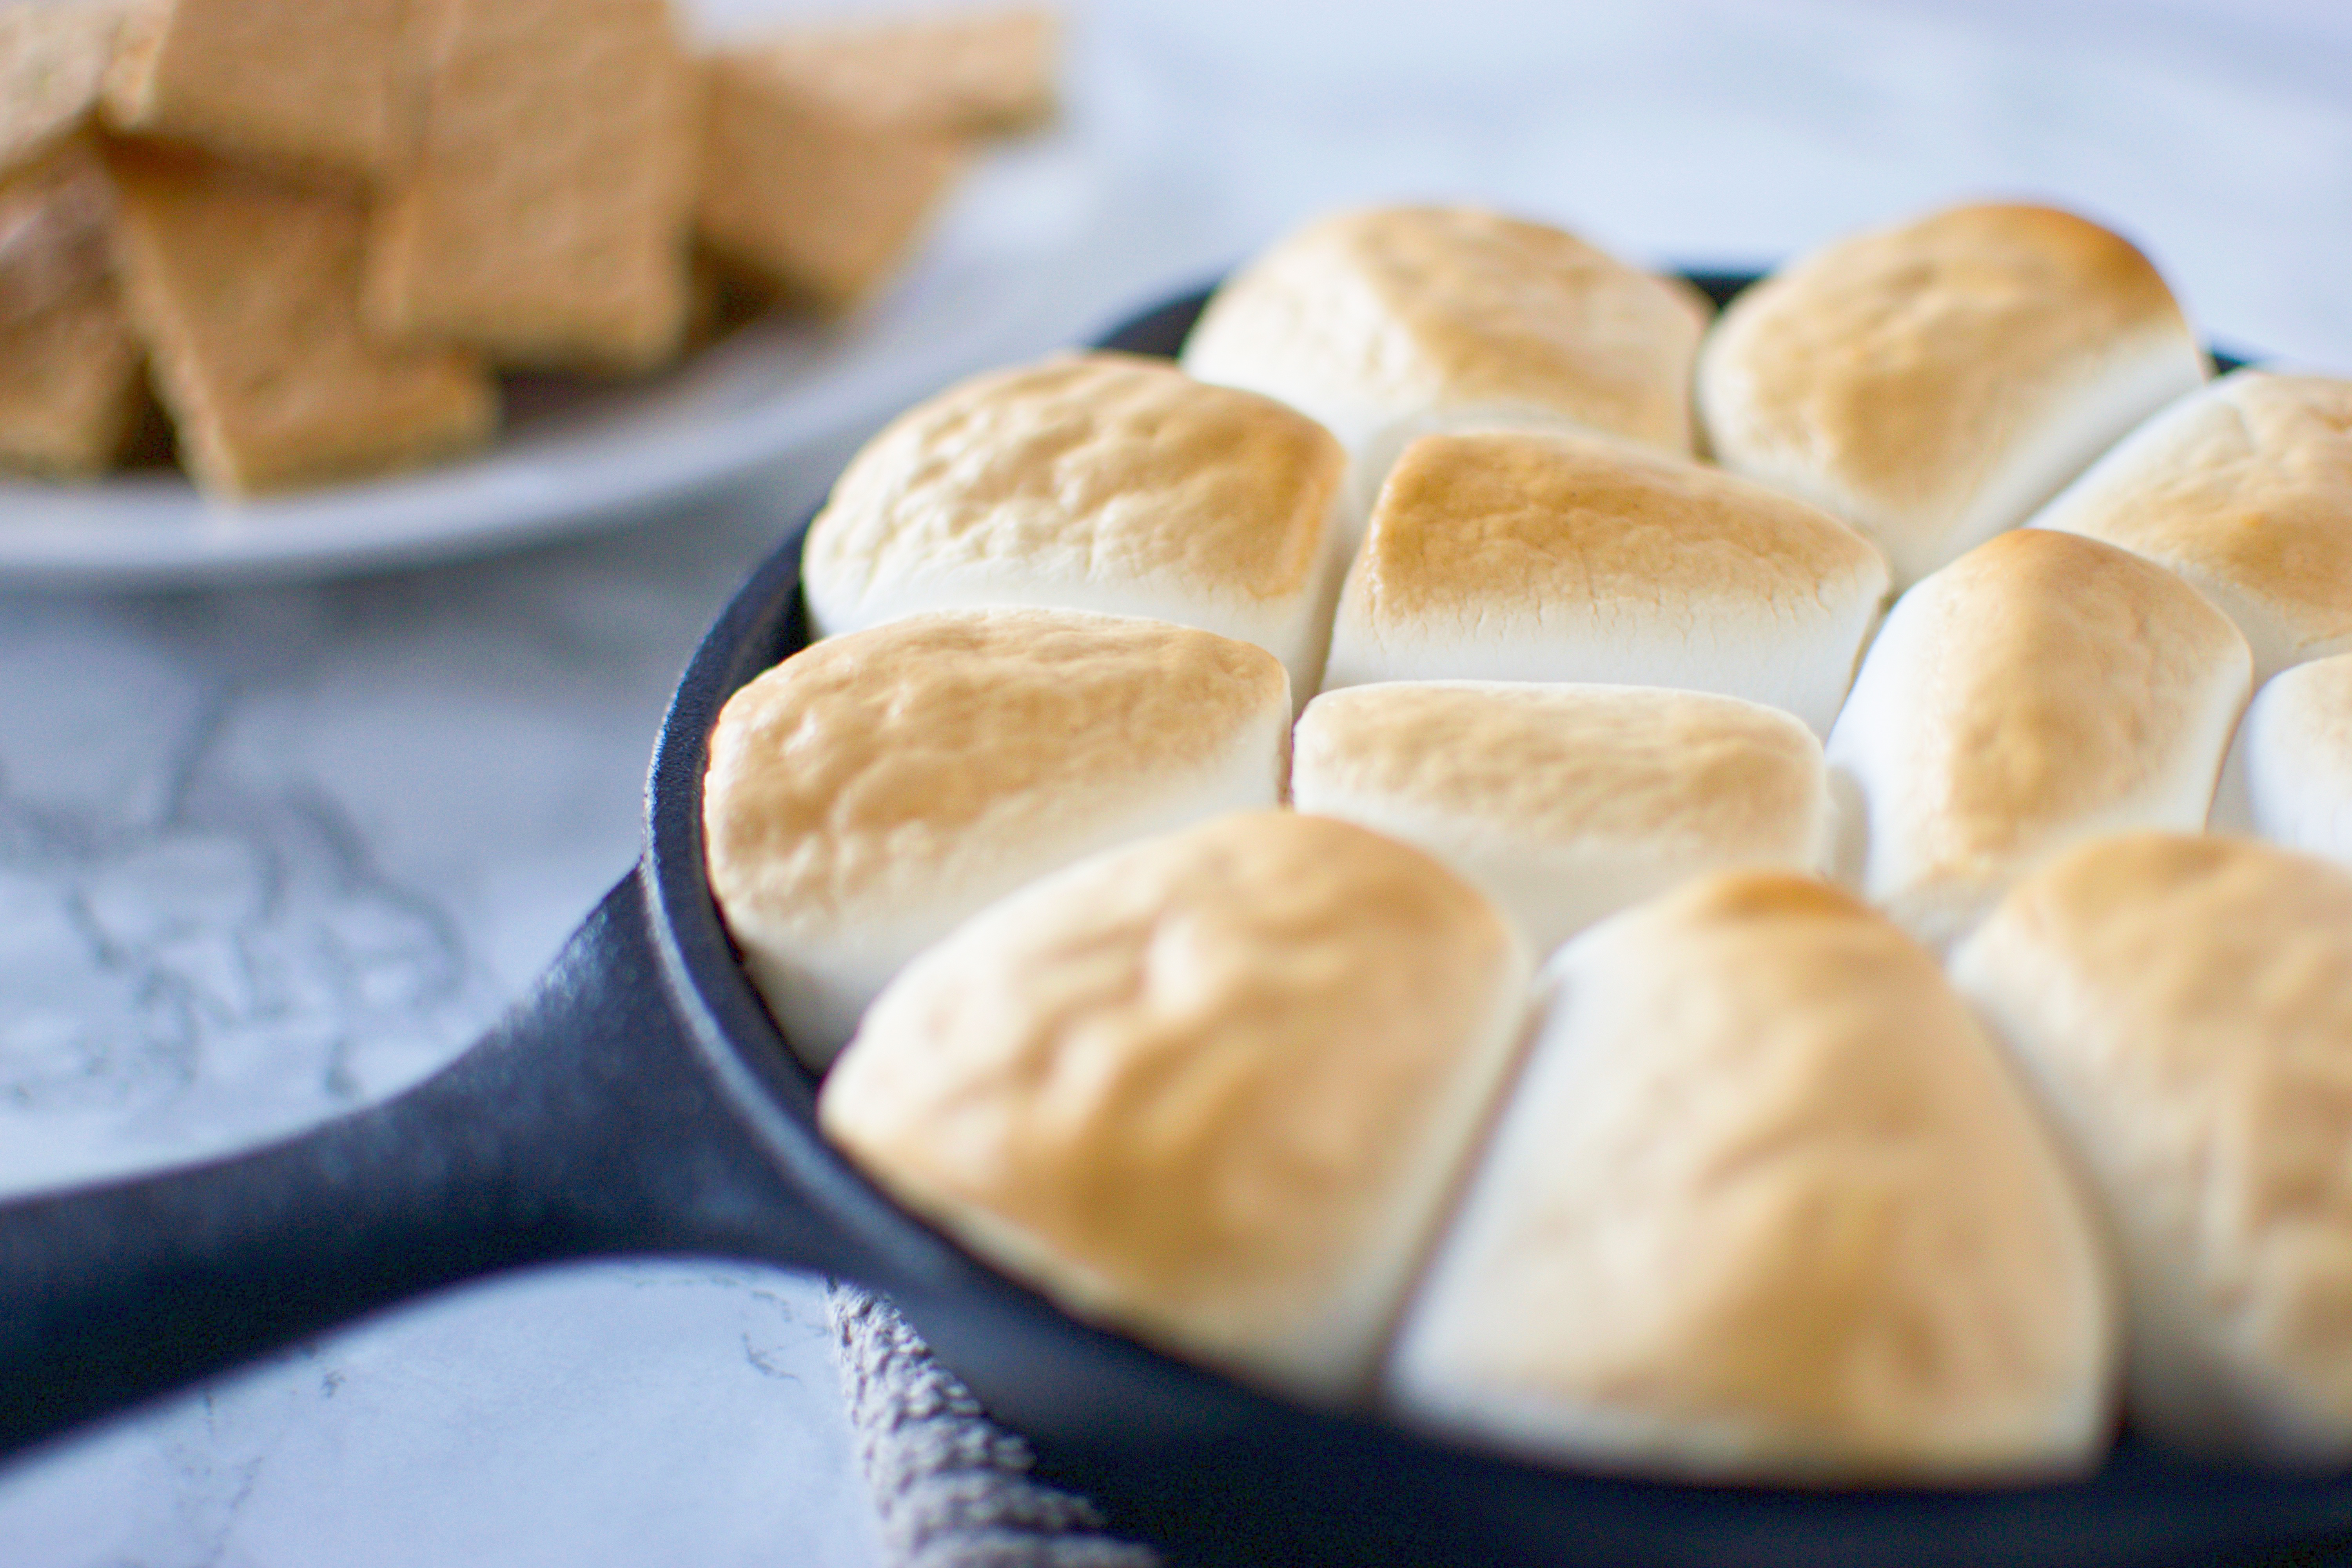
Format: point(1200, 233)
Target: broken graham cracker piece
point(52, 59)
point(806, 192)
point(309, 85)
point(964, 73)
point(247, 293)
point(545, 219)
point(70, 387)
point(55, 216)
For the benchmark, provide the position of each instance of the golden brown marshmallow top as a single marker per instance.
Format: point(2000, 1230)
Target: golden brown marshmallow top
point(1905, 361)
point(1182, 1082)
point(2253, 492)
point(2067, 670)
point(1093, 467)
point(1457, 305)
point(1807, 1223)
point(1512, 522)
point(1562, 763)
point(861, 768)
point(2189, 1001)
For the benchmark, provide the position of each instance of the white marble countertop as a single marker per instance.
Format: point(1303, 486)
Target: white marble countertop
point(267, 854)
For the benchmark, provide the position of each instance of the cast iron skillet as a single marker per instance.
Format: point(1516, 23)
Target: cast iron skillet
point(640, 1102)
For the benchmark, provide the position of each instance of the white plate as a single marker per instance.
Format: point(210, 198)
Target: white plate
point(577, 456)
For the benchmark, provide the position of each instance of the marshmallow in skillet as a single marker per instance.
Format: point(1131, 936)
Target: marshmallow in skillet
point(2245, 488)
point(874, 789)
point(1935, 383)
point(1566, 803)
point(1097, 482)
point(1514, 556)
point(2289, 776)
point(1389, 323)
point(1765, 1205)
point(2185, 1006)
point(2042, 688)
point(1213, 1089)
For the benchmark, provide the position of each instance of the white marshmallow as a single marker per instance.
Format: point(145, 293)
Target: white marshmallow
point(1566, 803)
point(1934, 383)
point(1766, 1205)
point(2041, 689)
point(873, 790)
point(1094, 482)
point(1395, 322)
point(1586, 560)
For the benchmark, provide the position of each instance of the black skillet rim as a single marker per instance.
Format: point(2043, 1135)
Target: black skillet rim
point(2142, 1506)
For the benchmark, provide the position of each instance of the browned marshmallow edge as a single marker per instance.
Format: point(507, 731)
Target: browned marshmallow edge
point(543, 220)
point(1095, 482)
point(246, 294)
point(810, 192)
point(1211, 1089)
point(1578, 558)
point(2288, 778)
point(313, 85)
point(2043, 689)
point(1394, 322)
point(1933, 383)
point(2185, 1006)
point(870, 792)
point(1568, 803)
point(1365, 319)
point(2244, 488)
point(1767, 1205)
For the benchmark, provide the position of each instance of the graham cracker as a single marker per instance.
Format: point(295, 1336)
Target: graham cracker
point(52, 59)
point(55, 215)
point(964, 73)
point(806, 192)
point(70, 365)
point(70, 389)
point(544, 221)
point(248, 294)
point(310, 85)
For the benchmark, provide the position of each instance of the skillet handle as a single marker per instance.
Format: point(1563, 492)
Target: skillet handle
point(581, 1124)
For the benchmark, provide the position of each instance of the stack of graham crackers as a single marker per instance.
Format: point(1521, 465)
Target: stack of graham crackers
point(317, 229)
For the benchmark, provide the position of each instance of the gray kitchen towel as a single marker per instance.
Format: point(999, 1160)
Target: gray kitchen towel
point(952, 1489)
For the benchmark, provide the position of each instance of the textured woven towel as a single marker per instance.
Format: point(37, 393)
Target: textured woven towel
point(952, 1489)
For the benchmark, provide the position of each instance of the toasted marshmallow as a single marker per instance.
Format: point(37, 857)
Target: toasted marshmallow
point(2289, 776)
point(1213, 1089)
point(1933, 384)
point(1097, 482)
point(1583, 559)
point(873, 790)
point(1765, 1205)
point(1568, 803)
point(1390, 323)
point(2185, 1005)
point(2245, 488)
point(2041, 689)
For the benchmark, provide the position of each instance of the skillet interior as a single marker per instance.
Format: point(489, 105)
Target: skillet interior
point(1222, 1473)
